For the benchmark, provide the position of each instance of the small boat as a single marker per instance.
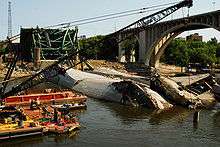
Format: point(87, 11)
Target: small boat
point(72, 106)
point(62, 128)
point(14, 124)
point(59, 122)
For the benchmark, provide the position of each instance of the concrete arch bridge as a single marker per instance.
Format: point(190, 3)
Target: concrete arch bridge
point(155, 38)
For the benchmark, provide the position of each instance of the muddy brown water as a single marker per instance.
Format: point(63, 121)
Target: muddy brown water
point(106, 124)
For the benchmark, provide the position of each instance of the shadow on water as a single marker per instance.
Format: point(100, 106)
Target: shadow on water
point(125, 112)
point(216, 118)
point(61, 138)
point(39, 140)
point(155, 117)
point(216, 123)
point(22, 142)
point(175, 114)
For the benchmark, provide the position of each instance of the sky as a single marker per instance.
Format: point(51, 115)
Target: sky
point(30, 13)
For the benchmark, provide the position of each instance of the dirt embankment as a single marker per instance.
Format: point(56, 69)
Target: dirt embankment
point(107, 64)
point(131, 68)
point(170, 70)
point(136, 68)
point(16, 73)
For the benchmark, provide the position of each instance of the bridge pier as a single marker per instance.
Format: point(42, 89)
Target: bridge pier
point(142, 46)
point(121, 52)
point(125, 55)
point(145, 42)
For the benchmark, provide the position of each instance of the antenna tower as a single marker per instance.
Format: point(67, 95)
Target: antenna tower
point(9, 20)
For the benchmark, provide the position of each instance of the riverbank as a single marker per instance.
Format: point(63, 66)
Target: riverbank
point(17, 73)
point(132, 68)
point(129, 69)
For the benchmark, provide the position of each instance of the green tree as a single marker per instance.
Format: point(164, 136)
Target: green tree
point(176, 53)
point(99, 47)
point(181, 52)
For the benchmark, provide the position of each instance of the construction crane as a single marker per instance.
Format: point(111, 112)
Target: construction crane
point(55, 69)
point(139, 25)
point(9, 20)
point(8, 43)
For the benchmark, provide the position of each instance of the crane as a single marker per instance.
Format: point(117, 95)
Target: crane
point(141, 24)
point(56, 68)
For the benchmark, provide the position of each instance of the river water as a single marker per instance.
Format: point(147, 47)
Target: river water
point(106, 124)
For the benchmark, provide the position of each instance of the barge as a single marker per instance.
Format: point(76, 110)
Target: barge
point(14, 123)
point(45, 98)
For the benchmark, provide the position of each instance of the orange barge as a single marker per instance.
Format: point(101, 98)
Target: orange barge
point(43, 98)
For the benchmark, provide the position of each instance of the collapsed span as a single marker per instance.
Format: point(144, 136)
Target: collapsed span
point(115, 90)
point(178, 94)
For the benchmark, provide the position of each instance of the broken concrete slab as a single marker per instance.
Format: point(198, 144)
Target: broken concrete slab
point(116, 90)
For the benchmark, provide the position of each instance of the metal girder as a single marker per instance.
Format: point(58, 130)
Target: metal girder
point(46, 74)
point(57, 68)
point(59, 40)
point(11, 66)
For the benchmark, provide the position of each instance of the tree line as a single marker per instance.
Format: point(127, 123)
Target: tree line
point(179, 52)
point(99, 48)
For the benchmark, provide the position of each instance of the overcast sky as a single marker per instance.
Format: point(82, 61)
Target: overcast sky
point(30, 13)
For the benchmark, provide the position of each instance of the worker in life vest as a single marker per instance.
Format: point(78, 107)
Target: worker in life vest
point(22, 118)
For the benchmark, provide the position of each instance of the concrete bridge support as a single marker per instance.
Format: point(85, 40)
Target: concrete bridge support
point(142, 40)
point(122, 52)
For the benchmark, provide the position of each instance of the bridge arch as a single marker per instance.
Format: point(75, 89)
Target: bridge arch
point(164, 38)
